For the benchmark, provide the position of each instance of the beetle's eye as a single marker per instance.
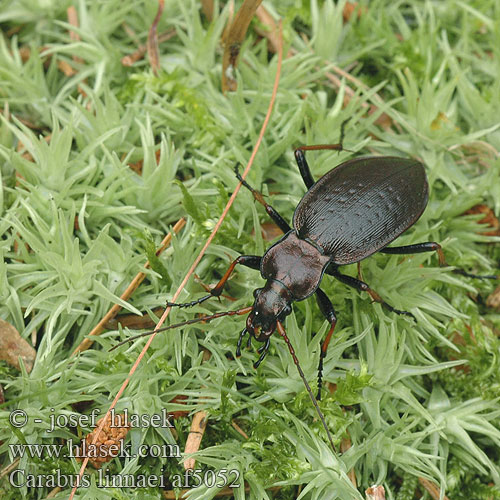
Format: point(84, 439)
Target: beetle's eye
point(286, 311)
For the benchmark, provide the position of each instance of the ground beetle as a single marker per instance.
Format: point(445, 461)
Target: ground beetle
point(353, 211)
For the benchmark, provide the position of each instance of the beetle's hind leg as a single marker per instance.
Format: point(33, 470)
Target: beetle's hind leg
point(252, 261)
point(363, 287)
point(300, 156)
point(326, 308)
point(432, 246)
point(258, 196)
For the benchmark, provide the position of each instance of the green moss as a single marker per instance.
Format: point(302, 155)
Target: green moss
point(73, 216)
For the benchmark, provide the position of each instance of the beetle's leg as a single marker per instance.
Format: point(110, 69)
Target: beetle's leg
point(252, 261)
point(431, 246)
point(258, 196)
point(304, 169)
point(240, 340)
point(362, 286)
point(300, 156)
point(326, 308)
point(263, 351)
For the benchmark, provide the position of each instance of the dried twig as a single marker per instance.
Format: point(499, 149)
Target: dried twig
point(375, 492)
point(193, 441)
point(73, 20)
point(432, 489)
point(153, 51)
point(233, 40)
point(142, 49)
point(489, 218)
point(207, 7)
point(239, 429)
point(54, 492)
point(270, 32)
point(345, 444)
point(9, 468)
point(493, 299)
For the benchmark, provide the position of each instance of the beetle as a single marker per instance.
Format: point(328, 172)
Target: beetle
point(353, 211)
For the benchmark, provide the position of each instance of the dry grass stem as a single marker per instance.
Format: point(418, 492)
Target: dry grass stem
point(207, 7)
point(153, 49)
point(239, 429)
point(233, 40)
point(432, 489)
point(193, 442)
point(142, 49)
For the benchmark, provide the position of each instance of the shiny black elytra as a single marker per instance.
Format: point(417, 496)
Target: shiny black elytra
point(353, 211)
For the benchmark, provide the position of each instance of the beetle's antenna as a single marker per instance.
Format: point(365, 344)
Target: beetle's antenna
point(282, 332)
point(245, 310)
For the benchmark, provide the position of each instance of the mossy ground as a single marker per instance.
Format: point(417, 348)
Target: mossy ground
point(403, 396)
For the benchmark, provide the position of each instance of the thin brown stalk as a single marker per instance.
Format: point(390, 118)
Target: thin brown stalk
point(193, 441)
point(54, 492)
point(195, 263)
point(239, 429)
point(375, 493)
point(345, 444)
point(233, 41)
point(153, 50)
point(431, 488)
point(73, 20)
point(142, 49)
point(139, 278)
point(207, 7)
point(269, 30)
point(9, 468)
point(75, 37)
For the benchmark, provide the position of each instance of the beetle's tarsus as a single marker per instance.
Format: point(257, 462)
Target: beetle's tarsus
point(240, 340)
point(263, 351)
point(476, 276)
point(189, 304)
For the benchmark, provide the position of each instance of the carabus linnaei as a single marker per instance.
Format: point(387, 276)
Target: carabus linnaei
point(353, 211)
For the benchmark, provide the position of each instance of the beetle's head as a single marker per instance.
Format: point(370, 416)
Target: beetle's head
point(272, 303)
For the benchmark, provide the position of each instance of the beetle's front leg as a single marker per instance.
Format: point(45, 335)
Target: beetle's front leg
point(252, 261)
point(258, 196)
